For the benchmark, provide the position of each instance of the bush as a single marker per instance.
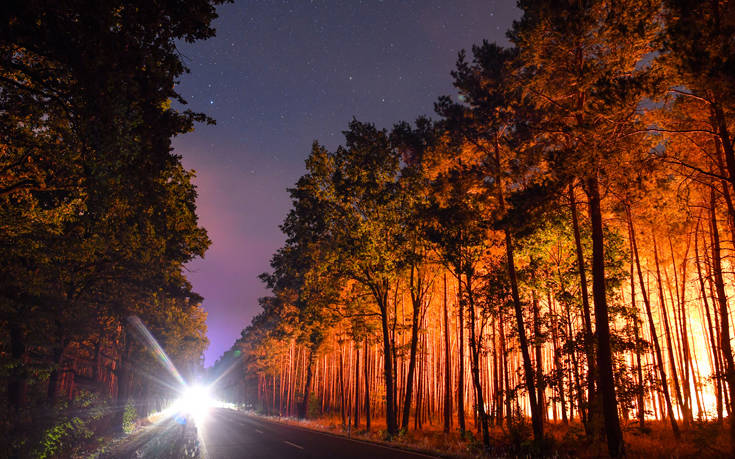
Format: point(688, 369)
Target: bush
point(71, 425)
point(67, 432)
point(129, 418)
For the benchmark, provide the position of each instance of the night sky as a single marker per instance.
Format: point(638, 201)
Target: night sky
point(280, 74)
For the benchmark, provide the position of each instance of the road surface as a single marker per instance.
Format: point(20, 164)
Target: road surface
point(229, 434)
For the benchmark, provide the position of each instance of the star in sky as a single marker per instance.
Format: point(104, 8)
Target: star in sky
point(283, 74)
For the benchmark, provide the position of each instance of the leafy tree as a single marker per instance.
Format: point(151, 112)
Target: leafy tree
point(582, 67)
point(100, 213)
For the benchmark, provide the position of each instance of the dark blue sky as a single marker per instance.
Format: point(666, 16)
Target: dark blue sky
point(280, 74)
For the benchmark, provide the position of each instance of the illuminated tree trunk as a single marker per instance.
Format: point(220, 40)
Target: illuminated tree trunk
point(357, 387)
point(343, 402)
point(667, 332)
point(724, 314)
point(460, 344)
point(537, 348)
point(475, 362)
point(654, 336)
point(602, 325)
point(506, 390)
point(710, 328)
point(304, 405)
point(447, 366)
point(636, 334)
point(418, 413)
point(497, 381)
point(586, 314)
point(390, 414)
point(575, 367)
point(725, 140)
point(367, 386)
point(718, 329)
point(684, 334)
point(558, 369)
point(536, 415)
point(417, 298)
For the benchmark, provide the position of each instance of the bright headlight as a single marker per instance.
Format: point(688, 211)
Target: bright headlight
point(195, 401)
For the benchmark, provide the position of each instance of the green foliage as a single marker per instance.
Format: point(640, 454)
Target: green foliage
point(63, 434)
point(130, 415)
point(72, 425)
point(98, 215)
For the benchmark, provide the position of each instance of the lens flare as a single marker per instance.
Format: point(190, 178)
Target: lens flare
point(155, 348)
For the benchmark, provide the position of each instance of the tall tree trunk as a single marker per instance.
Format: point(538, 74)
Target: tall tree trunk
point(575, 367)
point(419, 393)
point(536, 415)
point(536, 418)
point(667, 333)
point(636, 331)
point(586, 315)
point(710, 327)
point(416, 300)
point(718, 353)
point(475, 362)
point(343, 400)
point(636, 334)
point(683, 321)
point(304, 405)
point(504, 356)
point(726, 142)
point(558, 369)
point(497, 382)
point(367, 387)
point(719, 153)
point(602, 325)
point(390, 393)
point(447, 366)
point(724, 314)
point(356, 422)
point(537, 348)
point(652, 328)
point(460, 344)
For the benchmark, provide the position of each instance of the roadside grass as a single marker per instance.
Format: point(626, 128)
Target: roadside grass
point(700, 440)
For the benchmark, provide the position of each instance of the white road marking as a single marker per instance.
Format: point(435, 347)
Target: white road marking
point(259, 431)
point(293, 444)
point(341, 437)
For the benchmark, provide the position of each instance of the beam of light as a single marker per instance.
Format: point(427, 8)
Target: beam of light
point(194, 402)
point(155, 348)
point(234, 364)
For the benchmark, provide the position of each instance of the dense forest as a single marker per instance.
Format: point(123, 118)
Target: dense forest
point(555, 248)
point(97, 216)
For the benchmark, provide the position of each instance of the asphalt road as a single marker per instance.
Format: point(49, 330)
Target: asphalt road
point(229, 434)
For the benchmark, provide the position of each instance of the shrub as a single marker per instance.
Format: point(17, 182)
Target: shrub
point(129, 418)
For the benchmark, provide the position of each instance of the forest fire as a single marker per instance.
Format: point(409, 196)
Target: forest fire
point(551, 250)
point(545, 269)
